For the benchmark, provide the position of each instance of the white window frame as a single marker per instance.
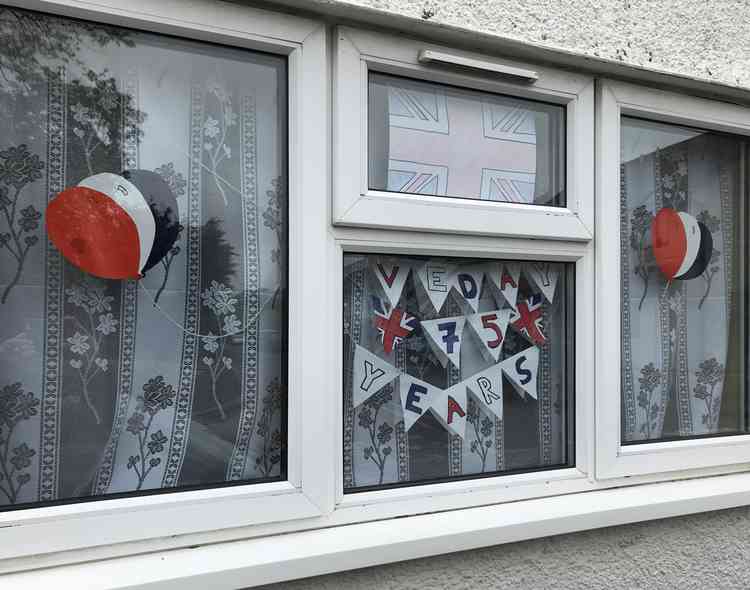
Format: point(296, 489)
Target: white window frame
point(617, 99)
point(261, 533)
point(308, 489)
point(357, 52)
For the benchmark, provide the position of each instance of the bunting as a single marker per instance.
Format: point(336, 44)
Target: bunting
point(490, 327)
point(435, 279)
point(370, 374)
point(391, 274)
point(445, 336)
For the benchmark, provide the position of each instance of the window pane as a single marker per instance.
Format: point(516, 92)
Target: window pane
point(455, 367)
point(103, 390)
point(683, 198)
point(433, 139)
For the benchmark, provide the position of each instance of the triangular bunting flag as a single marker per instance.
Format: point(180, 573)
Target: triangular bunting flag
point(490, 326)
point(544, 275)
point(435, 280)
point(391, 274)
point(527, 319)
point(370, 374)
point(392, 324)
point(450, 408)
point(445, 336)
point(468, 284)
point(507, 281)
point(522, 369)
point(417, 397)
point(487, 387)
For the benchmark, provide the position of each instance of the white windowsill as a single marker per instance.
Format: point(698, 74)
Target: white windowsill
point(264, 560)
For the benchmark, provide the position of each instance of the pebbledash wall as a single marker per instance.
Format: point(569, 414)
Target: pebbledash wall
point(708, 41)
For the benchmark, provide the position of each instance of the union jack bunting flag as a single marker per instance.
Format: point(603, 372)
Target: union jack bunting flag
point(528, 319)
point(393, 326)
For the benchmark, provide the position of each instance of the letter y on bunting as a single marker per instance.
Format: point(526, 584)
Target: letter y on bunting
point(370, 374)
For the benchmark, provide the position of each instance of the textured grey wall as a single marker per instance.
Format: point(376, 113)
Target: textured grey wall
point(697, 38)
point(701, 552)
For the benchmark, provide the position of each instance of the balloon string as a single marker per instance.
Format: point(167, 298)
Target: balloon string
point(211, 336)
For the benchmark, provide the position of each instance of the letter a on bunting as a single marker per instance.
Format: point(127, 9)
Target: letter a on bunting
point(370, 374)
point(522, 370)
point(391, 275)
point(450, 408)
point(445, 336)
point(506, 280)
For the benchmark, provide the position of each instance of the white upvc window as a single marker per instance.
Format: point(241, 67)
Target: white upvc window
point(533, 106)
point(463, 222)
point(221, 132)
point(445, 354)
point(671, 271)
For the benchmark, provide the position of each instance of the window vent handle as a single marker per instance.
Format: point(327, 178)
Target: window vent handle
point(428, 56)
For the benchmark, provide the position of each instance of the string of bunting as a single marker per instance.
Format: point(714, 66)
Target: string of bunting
point(372, 373)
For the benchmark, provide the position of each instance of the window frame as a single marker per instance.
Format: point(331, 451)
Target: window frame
point(357, 52)
point(614, 100)
point(307, 492)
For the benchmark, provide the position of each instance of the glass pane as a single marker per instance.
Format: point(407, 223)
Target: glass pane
point(455, 367)
point(178, 379)
point(433, 139)
point(683, 203)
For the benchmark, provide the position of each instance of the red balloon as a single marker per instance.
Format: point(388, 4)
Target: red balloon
point(94, 233)
point(669, 241)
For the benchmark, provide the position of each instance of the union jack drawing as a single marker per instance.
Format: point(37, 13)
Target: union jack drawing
point(393, 326)
point(528, 319)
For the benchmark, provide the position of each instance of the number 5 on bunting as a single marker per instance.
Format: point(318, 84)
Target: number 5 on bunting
point(490, 326)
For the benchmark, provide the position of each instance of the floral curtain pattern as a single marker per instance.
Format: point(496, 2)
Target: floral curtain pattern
point(533, 434)
point(178, 379)
point(678, 343)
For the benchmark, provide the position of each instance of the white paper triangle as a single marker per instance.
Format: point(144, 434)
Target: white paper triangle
point(467, 283)
point(522, 370)
point(527, 319)
point(417, 397)
point(508, 282)
point(435, 280)
point(490, 328)
point(450, 409)
point(370, 374)
point(391, 274)
point(446, 336)
point(544, 275)
point(487, 387)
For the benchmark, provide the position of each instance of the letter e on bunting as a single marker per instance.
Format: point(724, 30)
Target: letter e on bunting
point(490, 326)
point(522, 370)
point(435, 278)
point(445, 336)
point(417, 397)
point(392, 326)
point(391, 275)
point(370, 374)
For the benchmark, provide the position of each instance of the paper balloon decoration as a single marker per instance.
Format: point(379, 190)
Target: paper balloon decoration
point(115, 226)
point(682, 244)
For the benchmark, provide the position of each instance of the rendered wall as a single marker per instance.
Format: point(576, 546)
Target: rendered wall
point(702, 39)
point(701, 552)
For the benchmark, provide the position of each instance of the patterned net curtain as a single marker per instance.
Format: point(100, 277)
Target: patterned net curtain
point(682, 351)
point(102, 391)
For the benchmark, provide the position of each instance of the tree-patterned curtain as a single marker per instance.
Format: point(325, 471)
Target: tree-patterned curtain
point(177, 379)
point(681, 359)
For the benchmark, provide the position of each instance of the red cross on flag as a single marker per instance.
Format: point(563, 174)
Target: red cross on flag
point(393, 326)
point(527, 319)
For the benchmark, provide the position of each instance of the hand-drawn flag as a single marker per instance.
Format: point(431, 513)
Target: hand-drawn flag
point(527, 319)
point(393, 326)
